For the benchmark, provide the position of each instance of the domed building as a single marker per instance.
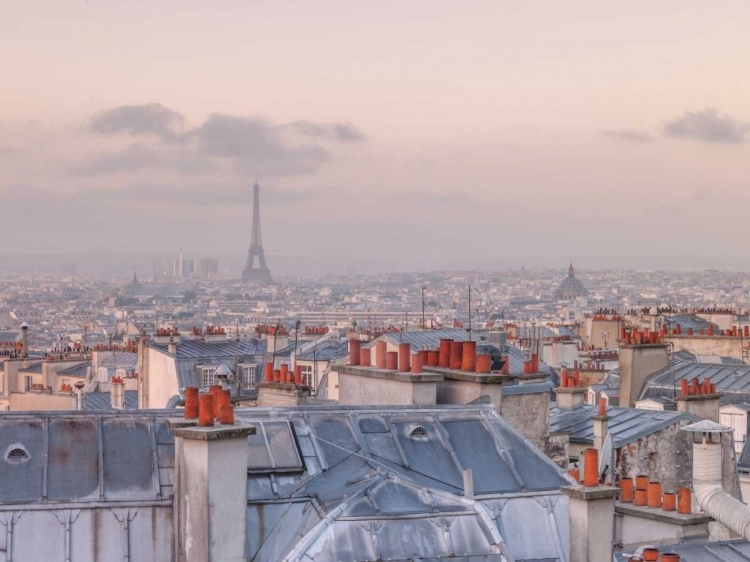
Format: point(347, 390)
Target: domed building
point(571, 287)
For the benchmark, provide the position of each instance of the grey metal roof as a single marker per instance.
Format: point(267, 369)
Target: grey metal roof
point(66, 448)
point(370, 479)
point(730, 378)
point(329, 351)
point(689, 321)
point(425, 339)
point(80, 370)
point(531, 388)
point(198, 349)
point(191, 353)
point(35, 368)
point(103, 400)
point(625, 424)
point(121, 360)
point(715, 551)
point(330, 482)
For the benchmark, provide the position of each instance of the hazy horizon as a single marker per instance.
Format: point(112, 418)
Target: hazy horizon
point(407, 135)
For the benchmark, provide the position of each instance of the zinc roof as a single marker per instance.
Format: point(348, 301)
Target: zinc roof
point(625, 424)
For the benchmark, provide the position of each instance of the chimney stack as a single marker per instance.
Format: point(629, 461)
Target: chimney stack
point(592, 514)
point(117, 393)
point(211, 466)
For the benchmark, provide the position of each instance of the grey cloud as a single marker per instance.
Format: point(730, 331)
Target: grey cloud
point(708, 126)
point(627, 135)
point(343, 132)
point(256, 146)
point(150, 119)
point(248, 145)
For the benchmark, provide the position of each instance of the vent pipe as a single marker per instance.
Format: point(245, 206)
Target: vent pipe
point(709, 493)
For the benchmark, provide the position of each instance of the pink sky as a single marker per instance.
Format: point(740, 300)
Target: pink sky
point(470, 128)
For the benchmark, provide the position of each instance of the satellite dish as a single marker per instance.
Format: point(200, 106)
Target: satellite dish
point(606, 457)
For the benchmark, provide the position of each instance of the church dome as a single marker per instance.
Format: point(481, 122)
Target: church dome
point(571, 287)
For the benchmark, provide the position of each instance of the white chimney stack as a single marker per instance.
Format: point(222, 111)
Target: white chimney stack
point(117, 393)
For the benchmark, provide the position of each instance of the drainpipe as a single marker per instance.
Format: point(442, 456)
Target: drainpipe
point(709, 493)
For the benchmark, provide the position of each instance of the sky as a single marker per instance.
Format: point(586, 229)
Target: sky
point(412, 133)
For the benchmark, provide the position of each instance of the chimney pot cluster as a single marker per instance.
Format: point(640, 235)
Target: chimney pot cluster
point(649, 493)
point(570, 381)
point(696, 388)
point(453, 355)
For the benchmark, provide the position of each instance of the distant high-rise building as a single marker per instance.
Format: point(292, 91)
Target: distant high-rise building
point(206, 267)
point(260, 274)
point(183, 268)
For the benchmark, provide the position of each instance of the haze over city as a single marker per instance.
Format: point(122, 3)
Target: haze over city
point(435, 134)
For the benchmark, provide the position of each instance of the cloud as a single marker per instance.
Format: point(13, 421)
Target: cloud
point(342, 132)
point(150, 119)
point(245, 145)
point(256, 146)
point(707, 126)
point(626, 135)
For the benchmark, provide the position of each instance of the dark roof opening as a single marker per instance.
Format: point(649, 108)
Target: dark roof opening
point(17, 455)
point(418, 431)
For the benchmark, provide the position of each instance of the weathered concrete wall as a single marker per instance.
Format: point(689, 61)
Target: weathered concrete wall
point(557, 352)
point(104, 534)
point(633, 531)
point(450, 391)
point(637, 363)
point(280, 395)
point(28, 401)
point(355, 390)
point(724, 346)
point(529, 415)
point(705, 407)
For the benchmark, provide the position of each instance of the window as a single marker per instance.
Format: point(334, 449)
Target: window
point(27, 383)
point(307, 375)
point(248, 377)
point(208, 376)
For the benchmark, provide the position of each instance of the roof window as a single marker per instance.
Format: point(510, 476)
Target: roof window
point(17, 454)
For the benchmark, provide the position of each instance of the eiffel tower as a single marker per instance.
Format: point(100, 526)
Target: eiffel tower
point(261, 274)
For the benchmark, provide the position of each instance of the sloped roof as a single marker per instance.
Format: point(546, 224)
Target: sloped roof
point(135, 450)
point(80, 370)
point(425, 339)
point(103, 400)
point(725, 377)
point(625, 424)
point(375, 486)
point(714, 551)
point(328, 351)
